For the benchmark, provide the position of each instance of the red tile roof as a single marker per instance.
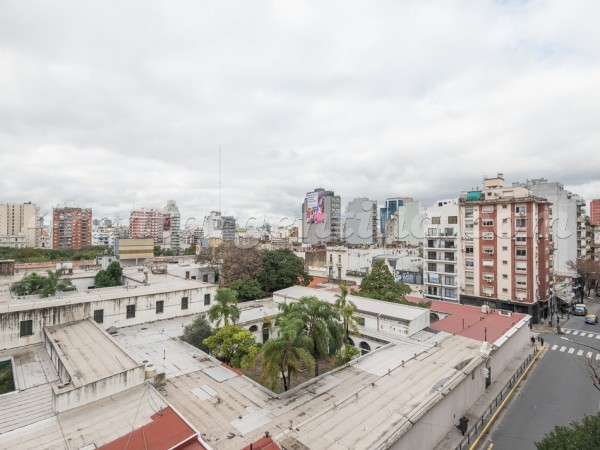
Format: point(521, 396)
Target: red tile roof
point(469, 321)
point(167, 430)
point(264, 443)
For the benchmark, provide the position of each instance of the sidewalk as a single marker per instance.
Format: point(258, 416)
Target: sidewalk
point(454, 436)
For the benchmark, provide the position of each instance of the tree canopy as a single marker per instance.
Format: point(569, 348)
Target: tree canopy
point(196, 332)
point(282, 269)
point(240, 263)
point(233, 345)
point(588, 271)
point(583, 435)
point(24, 255)
point(381, 285)
point(45, 286)
point(111, 276)
point(247, 289)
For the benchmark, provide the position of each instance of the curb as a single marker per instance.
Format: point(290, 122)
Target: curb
point(508, 397)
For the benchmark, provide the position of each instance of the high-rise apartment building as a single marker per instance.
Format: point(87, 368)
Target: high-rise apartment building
point(19, 225)
point(361, 222)
point(567, 226)
point(595, 212)
point(386, 213)
point(71, 228)
point(146, 223)
point(505, 243)
point(171, 225)
point(321, 217)
point(440, 251)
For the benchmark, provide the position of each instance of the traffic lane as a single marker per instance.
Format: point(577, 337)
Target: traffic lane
point(557, 392)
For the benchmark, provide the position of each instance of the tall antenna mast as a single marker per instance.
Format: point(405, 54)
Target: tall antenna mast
point(219, 178)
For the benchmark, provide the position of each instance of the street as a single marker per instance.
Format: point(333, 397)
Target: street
point(558, 390)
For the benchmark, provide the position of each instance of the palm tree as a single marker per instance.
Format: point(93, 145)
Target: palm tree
point(347, 309)
point(225, 307)
point(54, 283)
point(284, 355)
point(322, 325)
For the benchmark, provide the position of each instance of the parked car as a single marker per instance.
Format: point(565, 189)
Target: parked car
point(579, 310)
point(591, 318)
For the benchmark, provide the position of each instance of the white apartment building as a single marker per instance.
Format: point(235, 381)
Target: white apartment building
point(19, 225)
point(441, 257)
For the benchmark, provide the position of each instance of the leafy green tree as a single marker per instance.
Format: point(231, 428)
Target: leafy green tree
point(233, 345)
point(55, 283)
point(381, 285)
point(225, 307)
point(346, 355)
point(45, 286)
point(111, 276)
point(196, 332)
point(322, 325)
point(347, 310)
point(191, 250)
point(584, 435)
point(282, 269)
point(247, 289)
point(285, 355)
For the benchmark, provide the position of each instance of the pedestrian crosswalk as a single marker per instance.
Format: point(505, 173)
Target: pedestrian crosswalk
point(576, 350)
point(582, 333)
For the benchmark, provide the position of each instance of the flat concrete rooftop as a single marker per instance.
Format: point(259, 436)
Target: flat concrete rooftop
point(378, 392)
point(87, 352)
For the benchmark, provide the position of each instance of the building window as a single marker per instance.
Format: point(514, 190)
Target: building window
point(489, 277)
point(487, 222)
point(504, 291)
point(504, 249)
point(160, 306)
point(339, 259)
point(521, 253)
point(504, 276)
point(521, 266)
point(520, 223)
point(488, 209)
point(521, 281)
point(488, 236)
point(448, 268)
point(99, 315)
point(431, 267)
point(452, 220)
point(520, 210)
point(184, 302)
point(469, 250)
point(206, 299)
point(521, 238)
point(488, 250)
point(26, 328)
point(469, 263)
point(130, 311)
point(468, 212)
point(435, 220)
point(205, 278)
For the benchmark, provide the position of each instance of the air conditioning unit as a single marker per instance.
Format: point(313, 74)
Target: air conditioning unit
point(487, 294)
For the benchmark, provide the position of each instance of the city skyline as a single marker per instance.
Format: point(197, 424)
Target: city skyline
point(418, 99)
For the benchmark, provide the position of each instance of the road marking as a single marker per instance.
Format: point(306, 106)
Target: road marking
point(554, 347)
point(575, 333)
point(563, 348)
point(597, 356)
point(598, 336)
point(567, 331)
point(588, 355)
point(580, 352)
point(571, 351)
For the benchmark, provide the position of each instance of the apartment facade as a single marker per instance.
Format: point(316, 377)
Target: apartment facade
point(171, 225)
point(441, 262)
point(146, 223)
point(505, 243)
point(595, 212)
point(71, 228)
point(567, 226)
point(321, 217)
point(19, 225)
point(361, 222)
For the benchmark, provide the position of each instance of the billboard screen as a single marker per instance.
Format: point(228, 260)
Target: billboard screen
point(166, 222)
point(315, 207)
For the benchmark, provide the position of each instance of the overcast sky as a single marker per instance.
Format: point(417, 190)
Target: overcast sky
point(114, 104)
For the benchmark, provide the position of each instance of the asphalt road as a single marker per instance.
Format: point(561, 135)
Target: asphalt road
point(557, 391)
